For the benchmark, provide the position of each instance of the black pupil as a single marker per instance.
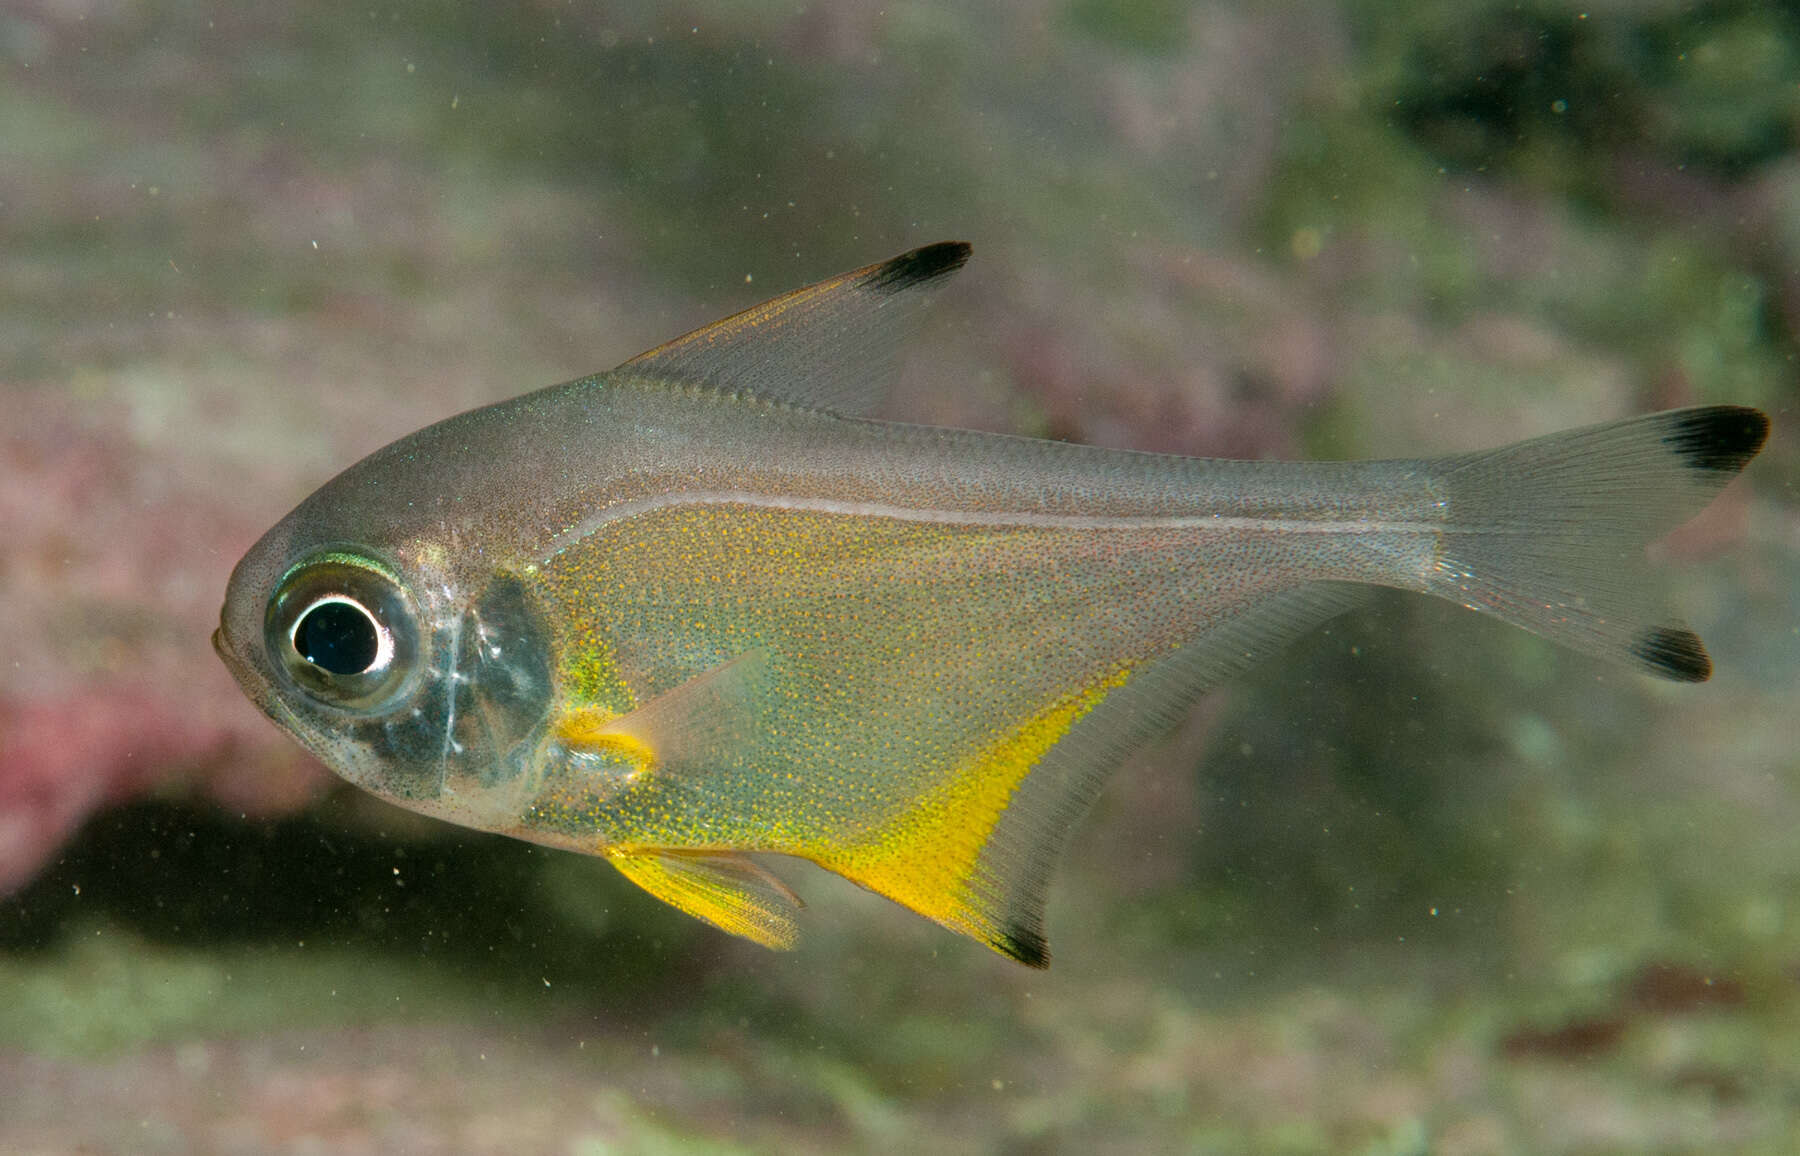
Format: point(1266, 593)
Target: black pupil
point(337, 637)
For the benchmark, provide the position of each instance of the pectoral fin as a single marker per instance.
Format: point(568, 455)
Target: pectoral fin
point(728, 891)
point(683, 730)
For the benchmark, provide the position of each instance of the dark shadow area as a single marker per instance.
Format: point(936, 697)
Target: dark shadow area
point(191, 875)
point(1509, 85)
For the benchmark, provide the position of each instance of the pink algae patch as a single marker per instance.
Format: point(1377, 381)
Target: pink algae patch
point(113, 560)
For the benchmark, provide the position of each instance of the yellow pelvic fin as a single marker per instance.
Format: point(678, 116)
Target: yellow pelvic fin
point(929, 859)
point(728, 891)
point(686, 728)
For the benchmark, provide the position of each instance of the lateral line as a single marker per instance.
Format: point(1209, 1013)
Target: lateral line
point(1216, 523)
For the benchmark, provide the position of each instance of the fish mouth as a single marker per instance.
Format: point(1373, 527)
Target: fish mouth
point(260, 691)
point(222, 647)
point(253, 684)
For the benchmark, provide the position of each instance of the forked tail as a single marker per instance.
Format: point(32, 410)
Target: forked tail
point(1549, 534)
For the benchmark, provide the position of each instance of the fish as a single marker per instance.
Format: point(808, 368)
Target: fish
point(704, 609)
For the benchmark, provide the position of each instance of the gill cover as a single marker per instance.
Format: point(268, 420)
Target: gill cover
point(402, 686)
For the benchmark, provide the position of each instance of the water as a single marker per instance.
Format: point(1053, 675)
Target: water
point(1422, 884)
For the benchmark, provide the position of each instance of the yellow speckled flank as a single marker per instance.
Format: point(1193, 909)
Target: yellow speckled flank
point(928, 859)
point(591, 676)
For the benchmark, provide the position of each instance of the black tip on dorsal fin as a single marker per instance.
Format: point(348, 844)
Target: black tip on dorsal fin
point(1717, 438)
point(1023, 943)
point(830, 346)
point(918, 266)
point(1673, 652)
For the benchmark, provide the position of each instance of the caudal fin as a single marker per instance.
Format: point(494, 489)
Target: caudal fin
point(1549, 534)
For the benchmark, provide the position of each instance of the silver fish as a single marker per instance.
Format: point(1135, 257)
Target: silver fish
point(698, 608)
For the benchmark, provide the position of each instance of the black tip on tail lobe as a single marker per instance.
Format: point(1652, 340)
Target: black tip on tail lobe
point(918, 266)
point(1673, 652)
point(1025, 944)
point(1717, 438)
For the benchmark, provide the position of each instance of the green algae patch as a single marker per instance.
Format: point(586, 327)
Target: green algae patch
point(105, 991)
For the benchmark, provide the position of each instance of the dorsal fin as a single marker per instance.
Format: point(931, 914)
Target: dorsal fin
point(828, 346)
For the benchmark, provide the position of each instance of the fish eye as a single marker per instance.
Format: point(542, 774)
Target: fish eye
point(343, 630)
point(341, 637)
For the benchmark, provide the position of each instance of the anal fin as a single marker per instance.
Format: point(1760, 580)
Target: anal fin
point(728, 891)
point(977, 856)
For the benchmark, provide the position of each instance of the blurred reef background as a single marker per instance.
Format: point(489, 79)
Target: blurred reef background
point(1423, 884)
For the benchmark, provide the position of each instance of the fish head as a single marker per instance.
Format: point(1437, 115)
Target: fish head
point(417, 677)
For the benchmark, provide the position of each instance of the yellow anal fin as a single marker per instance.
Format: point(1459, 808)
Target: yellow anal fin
point(936, 857)
point(728, 891)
